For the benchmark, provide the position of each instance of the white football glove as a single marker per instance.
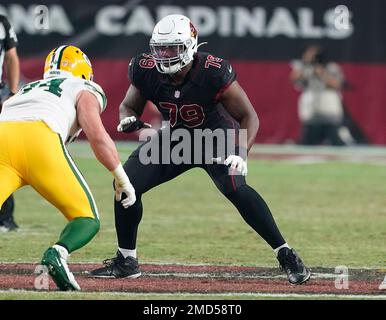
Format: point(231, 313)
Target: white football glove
point(123, 185)
point(126, 188)
point(238, 163)
point(130, 124)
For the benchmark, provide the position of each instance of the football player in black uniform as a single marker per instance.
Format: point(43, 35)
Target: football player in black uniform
point(192, 90)
point(8, 56)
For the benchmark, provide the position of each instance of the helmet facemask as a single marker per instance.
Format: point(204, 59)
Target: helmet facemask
point(170, 57)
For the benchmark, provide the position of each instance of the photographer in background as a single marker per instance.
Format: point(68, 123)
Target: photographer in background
point(8, 57)
point(320, 104)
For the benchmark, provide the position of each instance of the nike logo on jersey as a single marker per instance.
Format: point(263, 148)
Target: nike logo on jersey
point(230, 69)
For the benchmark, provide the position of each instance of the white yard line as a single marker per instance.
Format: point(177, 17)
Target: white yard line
point(229, 275)
point(222, 275)
point(181, 264)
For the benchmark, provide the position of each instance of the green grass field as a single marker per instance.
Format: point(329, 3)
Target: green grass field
point(333, 213)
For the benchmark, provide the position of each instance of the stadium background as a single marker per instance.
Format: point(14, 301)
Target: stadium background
point(260, 38)
point(329, 202)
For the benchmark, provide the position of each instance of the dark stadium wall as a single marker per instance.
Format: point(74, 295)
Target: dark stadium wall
point(271, 93)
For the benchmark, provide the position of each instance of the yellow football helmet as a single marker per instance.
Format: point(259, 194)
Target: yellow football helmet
point(68, 59)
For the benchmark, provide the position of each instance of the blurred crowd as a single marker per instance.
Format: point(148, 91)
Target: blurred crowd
point(321, 109)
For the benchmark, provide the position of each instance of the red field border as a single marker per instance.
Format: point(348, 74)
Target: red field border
point(202, 279)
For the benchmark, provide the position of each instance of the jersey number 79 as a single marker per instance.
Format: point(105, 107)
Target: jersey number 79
point(191, 114)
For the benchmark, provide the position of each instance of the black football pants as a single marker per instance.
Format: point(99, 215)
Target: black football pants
point(249, 203)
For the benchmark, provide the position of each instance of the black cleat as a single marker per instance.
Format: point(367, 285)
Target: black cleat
point(290, 262)
point(118, 267)
point(8, 225)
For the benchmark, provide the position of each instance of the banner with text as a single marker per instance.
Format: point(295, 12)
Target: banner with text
point(260, 38)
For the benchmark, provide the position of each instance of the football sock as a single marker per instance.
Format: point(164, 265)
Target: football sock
point(128, 253)
point(256, 213)
point(285, 245)
point(126, 223)
point(78, 233)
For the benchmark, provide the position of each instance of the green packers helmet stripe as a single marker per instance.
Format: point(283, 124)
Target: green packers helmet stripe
point(80, 179)
point(60, 56)
point(55, 57)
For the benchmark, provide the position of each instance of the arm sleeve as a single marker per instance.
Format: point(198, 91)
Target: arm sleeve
point(10, 40)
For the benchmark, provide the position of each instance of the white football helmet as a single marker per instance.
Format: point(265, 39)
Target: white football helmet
point(173, 43)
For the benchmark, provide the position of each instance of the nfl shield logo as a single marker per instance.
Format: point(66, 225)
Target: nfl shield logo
point(177, 94)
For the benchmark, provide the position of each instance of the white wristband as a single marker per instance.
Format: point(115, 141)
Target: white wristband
point(120, 174)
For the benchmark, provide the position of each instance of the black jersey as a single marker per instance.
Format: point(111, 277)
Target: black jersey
point(192, 104)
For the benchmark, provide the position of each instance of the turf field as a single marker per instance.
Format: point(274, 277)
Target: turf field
point(330, 204)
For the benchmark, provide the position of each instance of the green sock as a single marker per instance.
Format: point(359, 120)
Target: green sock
point(78, 233)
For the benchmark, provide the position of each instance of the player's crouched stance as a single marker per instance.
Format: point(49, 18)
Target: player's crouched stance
point(35, 125)
point(192, 90)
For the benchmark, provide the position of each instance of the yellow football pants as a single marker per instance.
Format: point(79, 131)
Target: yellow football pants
point(32, 154)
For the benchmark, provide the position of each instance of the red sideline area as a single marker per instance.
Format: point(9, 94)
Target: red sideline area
point(267, 85)
point(179, 279)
